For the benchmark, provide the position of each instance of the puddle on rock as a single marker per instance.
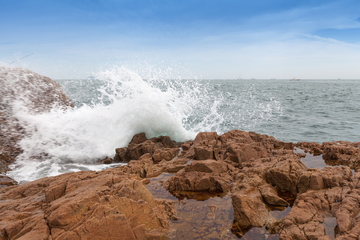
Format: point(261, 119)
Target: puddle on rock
point(207, 215)
point(310, 160)
point(157, 190)
point(331, 228)
point(318, 162)
point(257, 233)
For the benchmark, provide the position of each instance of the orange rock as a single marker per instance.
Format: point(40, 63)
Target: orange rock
point(86, 205)
point(205, 175)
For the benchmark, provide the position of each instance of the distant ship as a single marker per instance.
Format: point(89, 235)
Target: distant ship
point(295, 79)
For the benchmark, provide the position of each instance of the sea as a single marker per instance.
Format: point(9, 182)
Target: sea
point(115, 104)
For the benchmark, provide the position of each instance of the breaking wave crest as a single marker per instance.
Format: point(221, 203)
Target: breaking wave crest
point(72, 139)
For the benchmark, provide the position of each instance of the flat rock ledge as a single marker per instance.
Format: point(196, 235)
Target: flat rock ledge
point(257, 171)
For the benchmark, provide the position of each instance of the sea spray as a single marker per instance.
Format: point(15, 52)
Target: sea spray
point(64, 140)
point(120, 102)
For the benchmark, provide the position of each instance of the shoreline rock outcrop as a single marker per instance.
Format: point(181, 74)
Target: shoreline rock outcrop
point(263, 182)
point(23, 90)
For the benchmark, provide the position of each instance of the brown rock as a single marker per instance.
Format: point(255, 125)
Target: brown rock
point(205, 175)
point(203, 152)
point(271, 196)
point(160, 148)
point(166, 141)
point(206, 146)
point(342, 153)
point(106, 160)
point(121, 155)
point(249, 210)
point(176, 165)
point(255, 168)
point(274, 225)
point(285, 174)
point(165, 154)
point(6, 181)
point(138, 138)
point(86, 205)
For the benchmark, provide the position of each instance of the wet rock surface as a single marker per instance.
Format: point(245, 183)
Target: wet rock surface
point(23, 90)
point(236, 185)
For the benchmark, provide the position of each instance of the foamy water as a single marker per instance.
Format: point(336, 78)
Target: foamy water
point(121, 102)
point(73, 139)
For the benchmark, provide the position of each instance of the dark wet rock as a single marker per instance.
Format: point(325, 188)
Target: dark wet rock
point(105, 160)
point(6, 181)
point(138, 138)
point(121, 155)
point(160, 148)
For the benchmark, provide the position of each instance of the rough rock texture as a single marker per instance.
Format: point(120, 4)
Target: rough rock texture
point(85, 205)
point(5, 181)
point(23, 90)
point(331, 192)
point(205, 175)
point(253, 174)
point(160, 148)
point(335, 153)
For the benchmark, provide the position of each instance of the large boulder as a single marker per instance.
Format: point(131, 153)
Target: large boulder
point(83, 205)
point(23, 90)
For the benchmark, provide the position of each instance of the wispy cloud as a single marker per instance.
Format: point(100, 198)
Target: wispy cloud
point(216, 39)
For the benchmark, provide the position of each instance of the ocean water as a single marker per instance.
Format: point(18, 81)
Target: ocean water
point(118, 103)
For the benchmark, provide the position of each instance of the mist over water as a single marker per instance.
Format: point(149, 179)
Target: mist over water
point(120, 102)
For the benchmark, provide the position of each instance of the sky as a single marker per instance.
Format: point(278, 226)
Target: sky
point(224, 39)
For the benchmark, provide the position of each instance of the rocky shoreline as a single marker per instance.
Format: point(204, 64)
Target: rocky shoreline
point(239, 184)
point(230, 186)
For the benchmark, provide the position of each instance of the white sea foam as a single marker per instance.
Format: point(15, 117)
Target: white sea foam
point(73, 139)
point(124, 102)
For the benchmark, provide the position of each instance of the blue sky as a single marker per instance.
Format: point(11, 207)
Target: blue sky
point(197, 38)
